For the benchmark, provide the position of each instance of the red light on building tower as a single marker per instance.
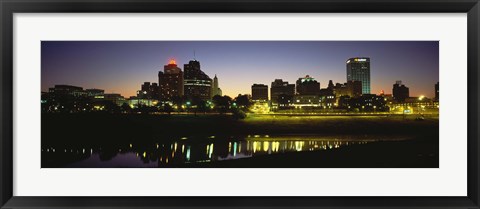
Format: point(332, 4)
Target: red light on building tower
point(172, 62)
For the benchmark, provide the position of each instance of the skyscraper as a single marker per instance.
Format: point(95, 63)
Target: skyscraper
point(437, 91)
point(259, 92)
point(196, 82)
point(358, 69)
point(400, 92)
point(170, 82)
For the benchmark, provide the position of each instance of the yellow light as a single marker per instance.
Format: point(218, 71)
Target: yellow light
point(266, 145)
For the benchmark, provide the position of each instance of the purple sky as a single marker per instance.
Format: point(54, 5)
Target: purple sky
point(122, 66)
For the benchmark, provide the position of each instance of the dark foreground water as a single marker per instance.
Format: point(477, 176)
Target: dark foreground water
point(179, 152)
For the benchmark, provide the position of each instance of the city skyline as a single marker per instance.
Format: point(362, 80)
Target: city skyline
point(122, 66)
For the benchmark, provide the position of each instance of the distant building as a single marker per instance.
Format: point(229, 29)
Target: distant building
point(351, 89)
point(300, 101)
point(215, 89)
point(281, 93)
point(259, 92)
point(170, 81)
point(400, 92)
point(115, 98)
point(330, 85)
point(358, 69)
point(369, 103)
point(67, 90)
point(196, 82)
point(149, 91)
point(308, 86)
point(135, 102)
point(95, 93)
point(437, 92)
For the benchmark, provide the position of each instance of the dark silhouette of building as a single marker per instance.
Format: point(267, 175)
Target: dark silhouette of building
point(215, 89)
point(95, 93)
point(400, 92)
point(115, 98)
point(330, 85)
point(196, 83)
point(358, 69)
point(260, 92)
point(281, 91)
point(170, 81)
point(437, 91)
point(351, 89)
point(368, 103)
point(149, 91)
point(67, 90)
point(308, 86)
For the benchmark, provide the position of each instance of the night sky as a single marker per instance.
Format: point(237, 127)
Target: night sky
point(122, 66)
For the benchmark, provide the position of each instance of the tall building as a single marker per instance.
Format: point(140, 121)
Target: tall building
point(400, 92)
point(259, 92)
point(196, 82)
point(215, 89)
point(437, 92)
point(281, 92)
point(308, 86)
point(358, 69)
point(170, 81)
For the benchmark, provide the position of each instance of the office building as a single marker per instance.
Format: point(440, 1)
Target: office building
point(115, 98)
point(351, 89)
point(259, 92)
point(67, 90)
point(170, 81)
point(308, 86)
point(196, 82)
point(400, 92)
point(437, 91)
point(149, 91)
point(95, 93)
point(358, 69)
point(281, 92)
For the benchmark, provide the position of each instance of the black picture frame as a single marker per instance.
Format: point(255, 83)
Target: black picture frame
point(9, 7)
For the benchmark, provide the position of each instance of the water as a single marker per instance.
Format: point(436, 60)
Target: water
point(183, 150)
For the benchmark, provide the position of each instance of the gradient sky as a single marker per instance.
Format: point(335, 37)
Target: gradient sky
point(122, 66)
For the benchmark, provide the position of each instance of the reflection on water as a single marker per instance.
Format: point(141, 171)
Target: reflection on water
point(194, 150)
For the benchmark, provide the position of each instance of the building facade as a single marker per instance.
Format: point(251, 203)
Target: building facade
point(215, 88)
point(351, 89)
point(149, 91)
point(281, 92)
point(308, 86)
point(400, 92)
point(358, 69)
point(259, 92)
point(196, 82)
point(170, 81)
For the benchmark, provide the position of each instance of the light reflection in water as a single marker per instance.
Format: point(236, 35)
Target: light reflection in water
point(190, 150)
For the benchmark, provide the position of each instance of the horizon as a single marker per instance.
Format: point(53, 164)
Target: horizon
point(123, 66)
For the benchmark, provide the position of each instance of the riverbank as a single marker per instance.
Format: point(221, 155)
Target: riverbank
point(97, 129)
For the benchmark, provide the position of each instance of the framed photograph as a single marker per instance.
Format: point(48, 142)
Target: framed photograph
point(236, 104)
